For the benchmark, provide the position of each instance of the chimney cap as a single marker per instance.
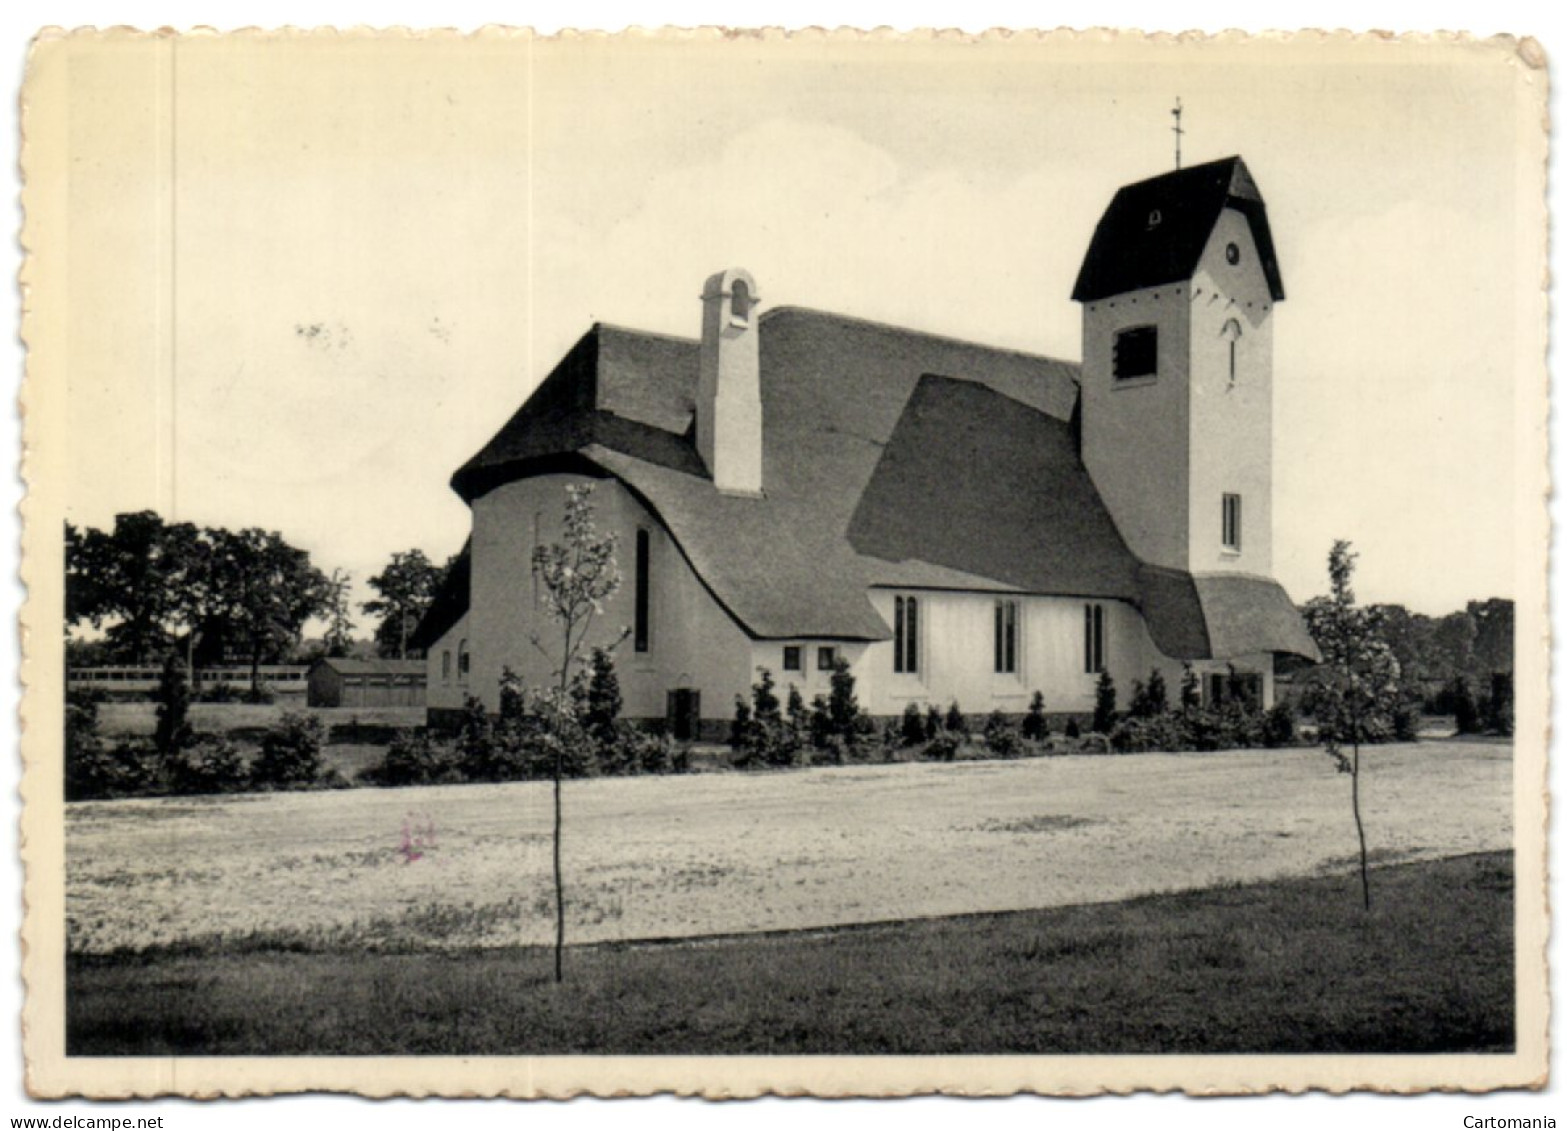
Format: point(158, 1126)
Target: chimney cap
point(722, 284)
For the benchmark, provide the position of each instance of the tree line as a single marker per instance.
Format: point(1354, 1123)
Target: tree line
point(154, 588)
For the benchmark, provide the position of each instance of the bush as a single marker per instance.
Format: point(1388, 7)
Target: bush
point(912, 732)
point(843, 708)
point(415, 758)
point(1036, 727)
point(1138, 734)
point(1073, 730)
point(290, 753)
point(1149, 700)
point(942, 748)
point(601, 703)
point(933, 722)
point(1104, 704)
point(1499, 705)
point(1278, 725)
point(261, 694)
point(1001, 738)
point(955, 723)
point(173, 698)
point(94, 771)
point(1457, 700)
point(208, 765)
point(760, 736)
point(220, 693)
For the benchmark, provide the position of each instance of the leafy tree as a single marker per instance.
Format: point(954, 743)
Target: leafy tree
point(266, 591)
point(339, 622)
point(1356, 687)
point(578, 575)
point(406, 586)
point(1499, 704)
point(173, 731)
point(132, 577)
point(1493, 639)
point(1104, 703)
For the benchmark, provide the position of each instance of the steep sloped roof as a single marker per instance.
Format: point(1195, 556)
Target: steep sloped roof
point(1154, 232)
point(449, 603)
point(891, 457)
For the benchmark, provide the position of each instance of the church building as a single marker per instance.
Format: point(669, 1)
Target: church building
point(959, 523)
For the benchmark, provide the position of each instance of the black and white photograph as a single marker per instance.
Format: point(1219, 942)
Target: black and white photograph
point(833, 562)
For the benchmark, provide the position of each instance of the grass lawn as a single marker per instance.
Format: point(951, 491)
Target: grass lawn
point(1285, 966)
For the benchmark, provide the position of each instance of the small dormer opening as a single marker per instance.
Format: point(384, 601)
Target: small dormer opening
point(740, 303)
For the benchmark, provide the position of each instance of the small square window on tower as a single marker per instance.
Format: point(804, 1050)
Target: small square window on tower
point(1232, 522)
point(1136, 352)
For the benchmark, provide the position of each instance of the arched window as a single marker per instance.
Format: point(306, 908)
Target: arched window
point(1231, 334)
point(462, 660)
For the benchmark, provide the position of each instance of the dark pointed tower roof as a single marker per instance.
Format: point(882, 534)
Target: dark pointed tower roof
point(1154, 232)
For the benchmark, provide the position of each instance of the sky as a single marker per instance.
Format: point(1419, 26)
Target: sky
point(310, 277)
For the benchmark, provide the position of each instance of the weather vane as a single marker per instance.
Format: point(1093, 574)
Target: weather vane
point(1176, 129)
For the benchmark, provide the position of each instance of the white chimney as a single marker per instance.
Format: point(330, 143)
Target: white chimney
point(729, 390)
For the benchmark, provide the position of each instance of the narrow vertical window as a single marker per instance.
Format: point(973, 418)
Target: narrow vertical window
point(1006, 637)
point(643, 584)
point(446, 664)
point(1093, 638)
point(898, 630)
point(462, 660)
point(1232, 522)
point(905, 635)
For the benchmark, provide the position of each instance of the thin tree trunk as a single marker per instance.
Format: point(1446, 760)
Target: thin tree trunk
point(1360, 828)
point(560, 889)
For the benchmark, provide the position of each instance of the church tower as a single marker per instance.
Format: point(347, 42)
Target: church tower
point(1178, 289)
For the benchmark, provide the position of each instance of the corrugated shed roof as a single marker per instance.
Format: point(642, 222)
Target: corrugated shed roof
point(1154, 232)
point(348, 666)
point(891, 457)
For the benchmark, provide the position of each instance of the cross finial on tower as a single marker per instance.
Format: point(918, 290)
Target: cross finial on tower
point(1176, 129)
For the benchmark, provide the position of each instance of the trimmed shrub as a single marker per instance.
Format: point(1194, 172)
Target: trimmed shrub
point(1137, 734)
point(1104, 704)
point(1036, 727)
point(955, 723)
point(290, 753)
point(942, 748)
point(94, 771)
point(1001, 738)
point(1148, 699)
point(912, 732)
point(933, 722)
point(173, 698)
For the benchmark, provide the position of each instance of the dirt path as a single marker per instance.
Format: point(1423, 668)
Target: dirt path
point(727, 853)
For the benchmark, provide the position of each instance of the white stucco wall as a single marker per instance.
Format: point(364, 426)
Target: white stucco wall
point(446, 688)
point(957, 657)
point(1231, 422)
point(693, 642)
point(1135, 431)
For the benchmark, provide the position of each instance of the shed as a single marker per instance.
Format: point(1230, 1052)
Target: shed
point(337, 681)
